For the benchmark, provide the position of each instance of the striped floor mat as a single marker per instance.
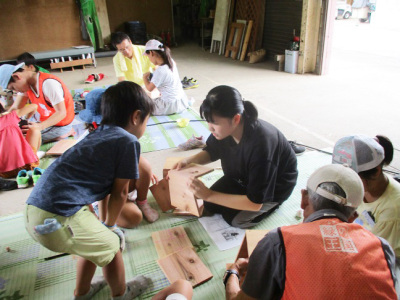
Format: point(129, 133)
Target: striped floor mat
point(28, 270)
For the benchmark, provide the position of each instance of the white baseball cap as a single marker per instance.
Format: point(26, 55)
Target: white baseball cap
point(343, 176)
point(153, 45)
point(360, 152)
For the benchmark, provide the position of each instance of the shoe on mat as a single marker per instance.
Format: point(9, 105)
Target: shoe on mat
point(90, 79)
point(8, 185)
point(192, 143)
point(36, 174)
point(23, 179)
point(190, 84)
point(297, 148)
point(184, 80)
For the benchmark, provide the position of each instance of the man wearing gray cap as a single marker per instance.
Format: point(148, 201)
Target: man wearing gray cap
point(325, 257)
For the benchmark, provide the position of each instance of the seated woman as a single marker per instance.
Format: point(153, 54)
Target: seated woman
point(380, 210)
point(166, 79)
point(259, 165)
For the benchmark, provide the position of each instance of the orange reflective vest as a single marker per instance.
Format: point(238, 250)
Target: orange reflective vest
point(330, 259)
point(45, 108)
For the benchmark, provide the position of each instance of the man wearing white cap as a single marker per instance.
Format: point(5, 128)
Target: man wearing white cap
point(323, 258)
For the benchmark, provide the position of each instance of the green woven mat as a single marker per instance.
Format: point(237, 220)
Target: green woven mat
point(27, 271)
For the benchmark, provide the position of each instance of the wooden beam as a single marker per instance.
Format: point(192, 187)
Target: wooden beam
point(310, 28)
point(71, 63)
point(246, 40)
point(102, 15)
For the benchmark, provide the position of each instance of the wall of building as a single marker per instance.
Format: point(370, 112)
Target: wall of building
point(41, 25)
point(281, 17)
point(157, 14)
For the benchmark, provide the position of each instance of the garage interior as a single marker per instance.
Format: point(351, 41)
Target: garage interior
point(345, 84)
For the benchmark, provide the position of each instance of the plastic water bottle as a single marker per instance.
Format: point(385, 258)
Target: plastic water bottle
point(48, 226)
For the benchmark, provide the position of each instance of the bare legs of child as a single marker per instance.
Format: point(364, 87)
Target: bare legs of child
point(142, 187)
point(34, 138)
point(114, 275)
point(132, 214)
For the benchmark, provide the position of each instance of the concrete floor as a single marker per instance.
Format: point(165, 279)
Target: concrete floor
point(359, 95)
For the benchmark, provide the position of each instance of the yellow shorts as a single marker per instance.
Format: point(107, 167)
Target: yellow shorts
point(81, 234)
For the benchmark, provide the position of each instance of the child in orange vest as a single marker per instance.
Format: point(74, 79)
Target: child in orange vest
point(55, 103)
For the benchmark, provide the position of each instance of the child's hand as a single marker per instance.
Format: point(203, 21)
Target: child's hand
point(31, 126)
point(154, 179)
point(146, 75)
point(120, 234)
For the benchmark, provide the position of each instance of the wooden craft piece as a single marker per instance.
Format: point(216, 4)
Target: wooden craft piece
point(200, 205)
point(160, 192)
point(181, 197)
point(169, 163)
point(170, 240)
point(250, 241)
point(238, 29)
point(61, 147)
point(185, 264)
point(246, 41)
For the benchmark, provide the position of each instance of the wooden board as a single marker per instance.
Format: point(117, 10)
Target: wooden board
point(246, 41)
point(180, 195)
point(102, 15)
point(38, 26)
point(71, 63)
point(250, 241)
point(61, 147)
point(170, 240)
point(185, 264)
point(220, 25)
point(169, 163)
point(236, 30)
point(160, 192)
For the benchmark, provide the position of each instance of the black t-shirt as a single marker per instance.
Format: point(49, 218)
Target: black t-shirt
point(263, 161)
